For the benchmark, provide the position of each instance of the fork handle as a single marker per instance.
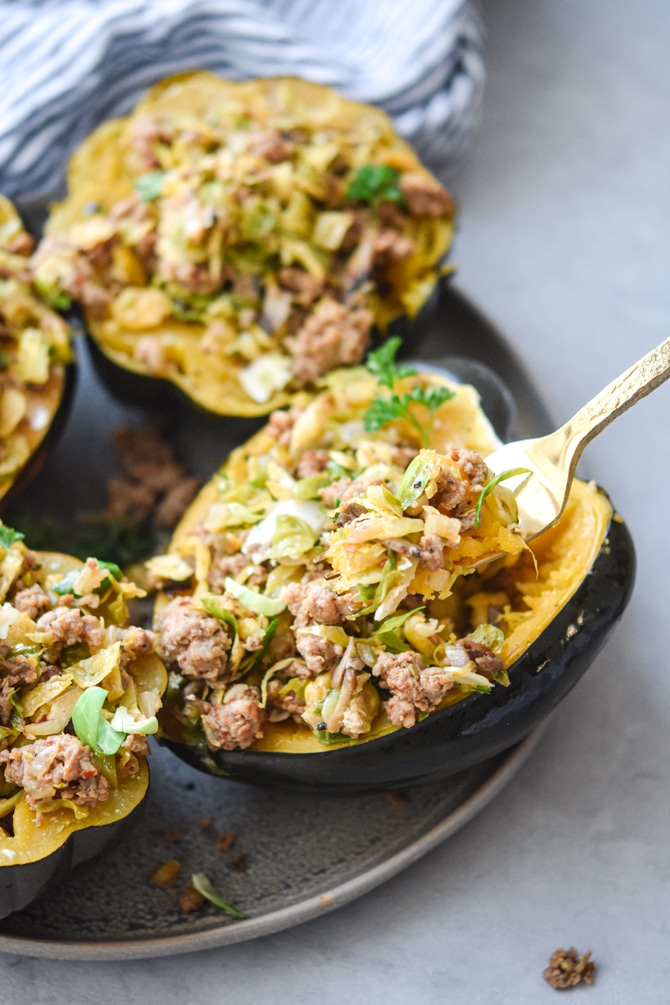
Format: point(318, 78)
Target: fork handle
point(623, 392)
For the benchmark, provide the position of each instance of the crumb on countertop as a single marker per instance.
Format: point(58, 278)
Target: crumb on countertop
point(567, 968)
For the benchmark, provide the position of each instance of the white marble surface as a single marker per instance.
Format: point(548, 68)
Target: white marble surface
point(565, 242)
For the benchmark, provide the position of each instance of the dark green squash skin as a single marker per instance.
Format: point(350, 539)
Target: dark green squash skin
point(21, 885)
point(472, 730)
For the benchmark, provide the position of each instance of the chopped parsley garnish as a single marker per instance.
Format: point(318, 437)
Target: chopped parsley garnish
point(149, 186)
point(397, 406)
point(382, 363)
point(375, 183)
point(8, 537)
point(386, 408)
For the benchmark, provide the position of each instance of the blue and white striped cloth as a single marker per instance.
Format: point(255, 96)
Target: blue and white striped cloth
point(66, 65)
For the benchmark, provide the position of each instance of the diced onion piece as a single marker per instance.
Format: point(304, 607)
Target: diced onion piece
point(8, 617)
point(267, 374)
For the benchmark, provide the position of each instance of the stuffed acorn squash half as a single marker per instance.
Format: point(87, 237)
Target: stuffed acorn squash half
point(79, 691)
point(36, 361)
point(239, 240)
point(321, 619)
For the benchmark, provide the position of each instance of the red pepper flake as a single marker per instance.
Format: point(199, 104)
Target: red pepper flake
point(89, 773)
point(172, 834)
point(240, 863)
point(206, 823)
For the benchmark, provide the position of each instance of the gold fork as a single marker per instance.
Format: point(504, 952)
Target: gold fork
point(549, 462)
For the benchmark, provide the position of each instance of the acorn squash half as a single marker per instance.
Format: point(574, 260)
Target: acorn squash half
point(37, 370)
point(69, 784)
point(238, 240)
point(394, 668)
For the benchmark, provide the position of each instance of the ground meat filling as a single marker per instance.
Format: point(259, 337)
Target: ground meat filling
point(414, 687)
point(14, 672)
point(134, 642)
point(32, 601)
point(237, 723)
point(283, 706)
point(345, 489)
point(320, 655)
point(457, 494)
point(67, 626)
point(429, 550)
point(315, 603)
point(333, 335)
point(193, 641)
point(56, 767)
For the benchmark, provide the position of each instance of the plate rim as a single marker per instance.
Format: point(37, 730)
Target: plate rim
point(228, 933)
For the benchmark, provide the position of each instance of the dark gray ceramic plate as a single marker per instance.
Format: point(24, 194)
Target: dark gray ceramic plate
point(294, 855)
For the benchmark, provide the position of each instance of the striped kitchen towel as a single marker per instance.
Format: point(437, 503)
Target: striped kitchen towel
point(66, 65)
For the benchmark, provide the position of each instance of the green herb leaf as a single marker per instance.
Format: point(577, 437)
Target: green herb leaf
point(393, 406)
point(431, 397)
point(385, 408)
point(206, 890)
point(8, 537)
point(488, 488)
point(149, 186)
point(112, 568)
point(375, 183)
point(382, 363)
